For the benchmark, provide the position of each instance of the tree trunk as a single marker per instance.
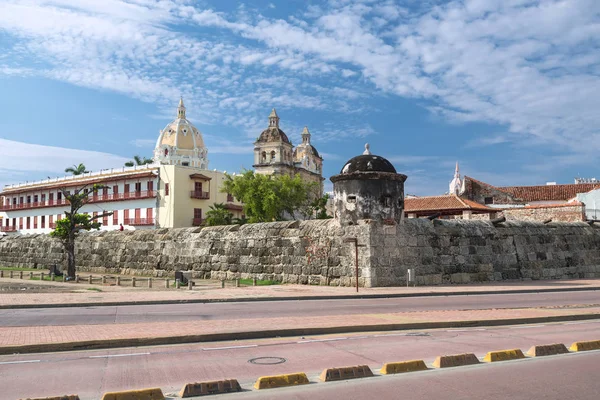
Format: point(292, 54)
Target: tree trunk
point(70, 247)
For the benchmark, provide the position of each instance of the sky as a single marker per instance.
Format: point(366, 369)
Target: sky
point(510, 89)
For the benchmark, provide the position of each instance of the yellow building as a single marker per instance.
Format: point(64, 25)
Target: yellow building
point(175, 191)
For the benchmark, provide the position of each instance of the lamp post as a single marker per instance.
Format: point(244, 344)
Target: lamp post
point(356, 245)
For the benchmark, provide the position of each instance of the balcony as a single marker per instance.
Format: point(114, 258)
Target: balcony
point(197, 221)
point(98, 198)
point(8, 228)
point(139, 221)
point(199, 195)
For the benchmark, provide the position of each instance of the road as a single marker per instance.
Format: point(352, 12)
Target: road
point(91, 373)
point(273, 309)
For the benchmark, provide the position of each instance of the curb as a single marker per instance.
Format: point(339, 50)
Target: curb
point(295, 298)
point(230, 336)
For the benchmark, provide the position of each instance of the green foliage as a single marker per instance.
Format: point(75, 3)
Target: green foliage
point(76, 169)
point(319, 207)
point(240, 221)
point(259, 282)
point(269, 198)
point(218, 215)
point(137, 160)
point(67, 226)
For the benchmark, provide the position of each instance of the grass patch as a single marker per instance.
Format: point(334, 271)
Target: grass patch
point(93, 289)
point(248, 282)
point(21, 269)
point(37, 278)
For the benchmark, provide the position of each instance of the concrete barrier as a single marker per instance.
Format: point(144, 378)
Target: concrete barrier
point(65, 397)
point(141, 394)
point(547, 350)
point(343, 373)
point(213, 387)
point(275, 381)
point(585, 346)
point(403, 366)
point(455, 360)
point(504, 355)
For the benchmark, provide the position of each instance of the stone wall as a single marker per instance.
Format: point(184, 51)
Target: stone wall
point(459, 251)
point(323, 252)
point(308, 252)
point(560, 212)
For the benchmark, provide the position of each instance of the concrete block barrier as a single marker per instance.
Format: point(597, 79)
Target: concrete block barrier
point(275, 381)
point(504, 355)
point(65, 397)
point(213, 387)
point(455, 360)
point(343, 373)
point(547, 350)
point(403, 366)
point(141, 394)
point(585, 346)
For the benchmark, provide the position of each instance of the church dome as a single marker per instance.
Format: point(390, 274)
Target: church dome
point(181, 143)
point(367, 162)
point(273, 133)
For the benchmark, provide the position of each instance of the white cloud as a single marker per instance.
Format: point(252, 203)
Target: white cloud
point(149, 143)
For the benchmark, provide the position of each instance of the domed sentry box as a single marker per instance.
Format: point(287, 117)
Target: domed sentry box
point(368, 187)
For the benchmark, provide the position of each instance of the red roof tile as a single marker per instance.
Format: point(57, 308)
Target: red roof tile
point(443, 203)
point(549, 192)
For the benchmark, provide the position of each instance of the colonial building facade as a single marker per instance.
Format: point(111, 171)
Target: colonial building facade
point(174, 191)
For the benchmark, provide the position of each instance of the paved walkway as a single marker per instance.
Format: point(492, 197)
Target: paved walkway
point(51, 338)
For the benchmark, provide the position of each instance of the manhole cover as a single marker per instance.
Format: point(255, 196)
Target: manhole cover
point(267, 360)
point(418, 334)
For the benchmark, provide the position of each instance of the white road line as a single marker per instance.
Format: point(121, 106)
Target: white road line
point(229, 347)
point(322, 340)
point(121, 355)
point(526, 327)
point(580, 322)
point(20, 362)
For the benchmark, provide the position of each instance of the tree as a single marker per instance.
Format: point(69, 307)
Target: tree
point(76, 169)
point(67, 228)
point(137, 160)
point(218, 215)
point(269, 197)
point(319, 207)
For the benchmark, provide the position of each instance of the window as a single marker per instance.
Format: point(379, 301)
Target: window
point(166, 189)
point(351, 199)
point(43, 198)
point(126, 215)
point(50, 220)
point(126, 190)
point(104, 218)
point(273, 156)
point(35, 198)
point(51, 198)
point(14, 222)
point(28, 223)
point(488, 200)
point(95, 214)
point(150, 186)
point(43, 221)
point(137, 214)
point(138, 187)
point(166, 152)
point(229, 197)
point(264, 156)
point(20, 222)
point(198, 187)
point(149, 214)
point(197, 213)
point(115, 189)
point(185, 164)
point(59, 196)
point(35, 222)
point(386, 201)
point(28, 199)
point(116, 217)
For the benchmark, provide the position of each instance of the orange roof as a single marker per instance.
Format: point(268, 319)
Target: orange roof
point(549, 192)
point(449, 202)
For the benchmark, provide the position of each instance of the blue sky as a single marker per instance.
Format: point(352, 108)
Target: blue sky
point(508, 88)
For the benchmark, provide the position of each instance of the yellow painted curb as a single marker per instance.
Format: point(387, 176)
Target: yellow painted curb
point(455, 360)
point(65, 397)
point(547, 350)
point(213, 387)
point(142, 394)
point(504, 355)
point(269, 382)
point(403, 366)
point(343, 373)
point(585, 346)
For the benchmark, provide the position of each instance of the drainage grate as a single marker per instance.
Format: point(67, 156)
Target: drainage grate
point(267, 360)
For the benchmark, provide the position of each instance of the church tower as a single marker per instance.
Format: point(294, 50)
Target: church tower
point(273, 150)
point(456, 183)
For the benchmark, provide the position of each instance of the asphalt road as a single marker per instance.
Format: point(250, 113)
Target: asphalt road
point(272, 309)
point(92, 373)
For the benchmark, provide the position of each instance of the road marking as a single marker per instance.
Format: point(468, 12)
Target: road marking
point(526, 327)
point(580, 322)
point(322, 340)
point(121, 355)
point(20, 362)
point(466, 330)
point(229, 347)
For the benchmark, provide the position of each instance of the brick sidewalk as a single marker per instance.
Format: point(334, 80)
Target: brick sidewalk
point(40, 335)
point(80, 294)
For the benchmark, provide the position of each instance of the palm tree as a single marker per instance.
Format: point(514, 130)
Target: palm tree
point(77, 169)
point(137, 160)
point(218, 215)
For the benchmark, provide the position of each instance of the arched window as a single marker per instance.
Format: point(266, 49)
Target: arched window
point(166, 152)
point(273, 155)
point(264, 156)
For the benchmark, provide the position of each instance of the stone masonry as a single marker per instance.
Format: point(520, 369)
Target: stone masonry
point(317, 252)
